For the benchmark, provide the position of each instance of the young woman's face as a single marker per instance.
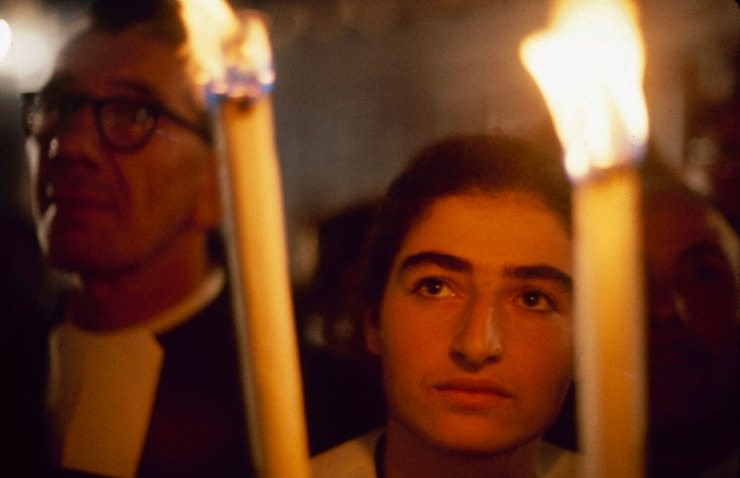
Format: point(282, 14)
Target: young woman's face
point(475, 324)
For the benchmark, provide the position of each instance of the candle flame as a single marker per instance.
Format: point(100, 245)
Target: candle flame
point(589, 65)
point(228, 54)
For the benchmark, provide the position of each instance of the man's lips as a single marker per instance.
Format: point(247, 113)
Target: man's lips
point(73, 203)
point(85, 196)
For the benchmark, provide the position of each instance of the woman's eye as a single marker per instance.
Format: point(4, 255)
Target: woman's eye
point(536, 301)
point(433, 287)
point(141, 115)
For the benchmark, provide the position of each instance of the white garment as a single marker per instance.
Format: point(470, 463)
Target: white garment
point(102, 386)
point(356, 459)
point(351, 459)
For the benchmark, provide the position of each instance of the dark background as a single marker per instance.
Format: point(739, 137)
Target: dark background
point(363, 84)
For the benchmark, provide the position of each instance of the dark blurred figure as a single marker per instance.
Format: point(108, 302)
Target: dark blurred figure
point(339, 377)
point(694, 335)
point(329, 306)
point(27, 296)
point(14, 177)
point(714, 147)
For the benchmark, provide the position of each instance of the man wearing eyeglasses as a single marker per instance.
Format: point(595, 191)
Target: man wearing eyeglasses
point(143, 373)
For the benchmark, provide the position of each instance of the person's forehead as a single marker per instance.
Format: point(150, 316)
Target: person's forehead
point(103, 63)
point(675, 224)
point(492, 230)
point(677, 216)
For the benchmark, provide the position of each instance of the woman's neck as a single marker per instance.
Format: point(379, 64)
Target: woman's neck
point(409, 455)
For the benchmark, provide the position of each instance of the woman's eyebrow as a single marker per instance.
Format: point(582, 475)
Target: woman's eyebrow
point(455, 263)
point(445, 261)
point(540, 271)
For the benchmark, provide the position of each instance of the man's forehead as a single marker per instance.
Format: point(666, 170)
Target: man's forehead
point(128, 61)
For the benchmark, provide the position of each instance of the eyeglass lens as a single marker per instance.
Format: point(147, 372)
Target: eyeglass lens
point(123, 124)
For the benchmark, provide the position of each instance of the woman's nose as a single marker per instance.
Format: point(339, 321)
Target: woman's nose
point(478, 339)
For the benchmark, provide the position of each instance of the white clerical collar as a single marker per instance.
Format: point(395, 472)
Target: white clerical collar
point(102, 385)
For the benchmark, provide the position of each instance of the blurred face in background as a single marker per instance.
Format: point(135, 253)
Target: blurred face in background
point(474, 332)
point(693, 304)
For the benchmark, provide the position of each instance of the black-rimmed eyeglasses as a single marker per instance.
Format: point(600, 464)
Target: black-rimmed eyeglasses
point(124, 124)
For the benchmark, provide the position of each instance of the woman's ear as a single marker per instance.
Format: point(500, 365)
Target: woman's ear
point(371, 327)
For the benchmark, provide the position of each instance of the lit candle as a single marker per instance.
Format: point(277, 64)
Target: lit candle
point(232, 60)
point(589, 65)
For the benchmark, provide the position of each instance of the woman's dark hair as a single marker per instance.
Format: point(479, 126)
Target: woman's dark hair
point(455, 165)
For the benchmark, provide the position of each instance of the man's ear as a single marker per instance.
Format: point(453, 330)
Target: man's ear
point(371, 327)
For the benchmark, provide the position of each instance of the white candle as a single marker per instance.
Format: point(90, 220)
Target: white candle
point(274, 397)
point(589, 65)
point(235, 64)
point(609, 335)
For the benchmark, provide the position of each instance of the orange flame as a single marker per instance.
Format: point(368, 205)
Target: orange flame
point(589, 65)
point(229, 54)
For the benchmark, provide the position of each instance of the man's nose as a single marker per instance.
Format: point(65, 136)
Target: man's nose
point(478, 339)
point(71, 134)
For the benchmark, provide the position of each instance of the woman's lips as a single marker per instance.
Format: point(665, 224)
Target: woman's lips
point(469, 392)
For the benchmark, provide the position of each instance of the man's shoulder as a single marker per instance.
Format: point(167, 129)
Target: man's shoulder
point(351, 459)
